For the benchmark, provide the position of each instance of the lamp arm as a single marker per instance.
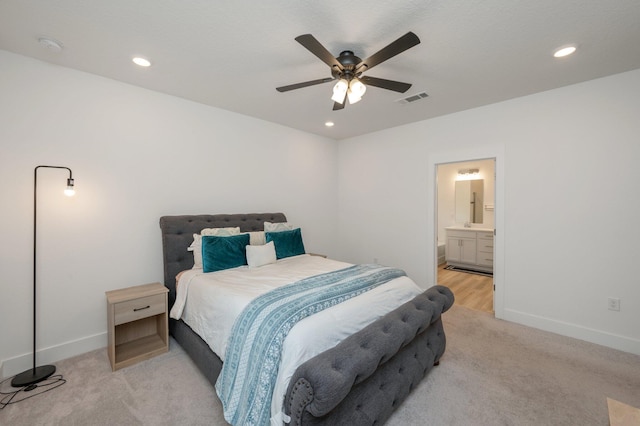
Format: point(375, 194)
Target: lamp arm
point(35, 171)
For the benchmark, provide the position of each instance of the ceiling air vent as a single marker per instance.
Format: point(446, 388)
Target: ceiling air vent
point(412, 98)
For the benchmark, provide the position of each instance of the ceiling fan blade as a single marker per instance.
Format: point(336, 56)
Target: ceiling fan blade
point(314, 46)
point(396, 86)
point(405, 42)
point(338, 106)
point(304, 84)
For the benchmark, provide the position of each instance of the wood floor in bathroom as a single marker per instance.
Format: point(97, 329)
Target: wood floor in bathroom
point(471, 290)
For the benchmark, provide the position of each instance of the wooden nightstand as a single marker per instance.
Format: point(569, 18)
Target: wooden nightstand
point(138, 324)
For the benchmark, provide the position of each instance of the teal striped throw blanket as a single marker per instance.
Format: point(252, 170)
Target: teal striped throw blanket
point(248, 376)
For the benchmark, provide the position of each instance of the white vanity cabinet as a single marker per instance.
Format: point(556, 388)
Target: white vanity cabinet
point(470, 248)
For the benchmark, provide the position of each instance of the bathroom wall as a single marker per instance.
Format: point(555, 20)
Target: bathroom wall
point(447, 174)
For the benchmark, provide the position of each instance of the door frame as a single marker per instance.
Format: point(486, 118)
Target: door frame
point(486, 152)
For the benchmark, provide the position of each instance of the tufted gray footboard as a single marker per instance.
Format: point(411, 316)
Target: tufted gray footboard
point(364, 378)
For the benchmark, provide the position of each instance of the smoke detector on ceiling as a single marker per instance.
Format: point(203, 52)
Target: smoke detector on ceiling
point(412, 98)
point(50, 44)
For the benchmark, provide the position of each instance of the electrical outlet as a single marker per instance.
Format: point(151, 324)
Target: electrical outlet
point(613, 303)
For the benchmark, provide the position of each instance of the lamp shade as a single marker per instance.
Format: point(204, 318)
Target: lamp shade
point(339, 91)
point(356, 90)
point(70, 191)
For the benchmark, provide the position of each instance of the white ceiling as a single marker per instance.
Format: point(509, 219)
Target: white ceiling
point(232, 54)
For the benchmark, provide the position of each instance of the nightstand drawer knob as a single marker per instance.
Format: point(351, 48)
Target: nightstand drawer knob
point(141, 309)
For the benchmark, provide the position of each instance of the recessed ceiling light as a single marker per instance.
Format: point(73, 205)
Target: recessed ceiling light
point(141, 61)
point(329, 124)
point(564, 51)
point(50, 44)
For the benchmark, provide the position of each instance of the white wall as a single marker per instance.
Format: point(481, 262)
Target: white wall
point(566, 214)
point(568, 229)
point(136, 155)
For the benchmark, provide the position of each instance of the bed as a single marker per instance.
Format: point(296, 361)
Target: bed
point(360, 380)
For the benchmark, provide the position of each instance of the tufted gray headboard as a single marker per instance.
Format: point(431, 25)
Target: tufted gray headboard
point(177, 235)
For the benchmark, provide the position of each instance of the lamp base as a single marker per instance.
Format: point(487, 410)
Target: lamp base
point(33, 375)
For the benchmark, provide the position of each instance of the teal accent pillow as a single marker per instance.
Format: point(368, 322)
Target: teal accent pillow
point(220, 253)
point(288, 243)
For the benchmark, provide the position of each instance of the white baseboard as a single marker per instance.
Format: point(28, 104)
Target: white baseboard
point(599, 337)
point(12, 366)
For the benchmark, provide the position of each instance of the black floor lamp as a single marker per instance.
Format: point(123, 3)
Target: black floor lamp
point(34, 375)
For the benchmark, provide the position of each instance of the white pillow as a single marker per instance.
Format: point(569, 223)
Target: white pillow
point(221, 232)
point(261, 255)
point(278, 227)
point(196, 245)
point(256, 238)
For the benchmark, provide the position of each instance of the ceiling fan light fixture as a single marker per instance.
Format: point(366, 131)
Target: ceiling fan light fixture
point(353, 97)
point(339, 90)
point(357, 87)
point(356, 90)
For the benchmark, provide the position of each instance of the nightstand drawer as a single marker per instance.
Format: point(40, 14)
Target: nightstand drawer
point(132, 310)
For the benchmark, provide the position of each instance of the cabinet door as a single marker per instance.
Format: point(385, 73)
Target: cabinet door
point(468, 250)
point(461, 250)
point(452, 249)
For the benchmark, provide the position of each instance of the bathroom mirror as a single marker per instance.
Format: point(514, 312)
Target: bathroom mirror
point(469, 201)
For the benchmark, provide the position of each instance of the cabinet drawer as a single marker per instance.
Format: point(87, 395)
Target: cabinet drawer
point(485, 259)
point(142, 307)
point(485, 236)
point(485, 245)
point(461, 234)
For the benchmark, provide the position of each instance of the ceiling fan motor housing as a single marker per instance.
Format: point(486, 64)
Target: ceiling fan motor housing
point(348, 60)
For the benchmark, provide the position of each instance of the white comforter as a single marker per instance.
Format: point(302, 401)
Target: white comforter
point(210, 303)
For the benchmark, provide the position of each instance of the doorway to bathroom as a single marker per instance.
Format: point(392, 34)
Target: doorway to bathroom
point(465, 230)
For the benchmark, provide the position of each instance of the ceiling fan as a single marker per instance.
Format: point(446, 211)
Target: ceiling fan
point(347, 68)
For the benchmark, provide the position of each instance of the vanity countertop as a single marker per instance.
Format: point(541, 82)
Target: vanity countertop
point(473, 228)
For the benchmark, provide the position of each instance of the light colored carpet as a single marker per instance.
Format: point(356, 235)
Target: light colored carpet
point(499, 373)
point(493, 373)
